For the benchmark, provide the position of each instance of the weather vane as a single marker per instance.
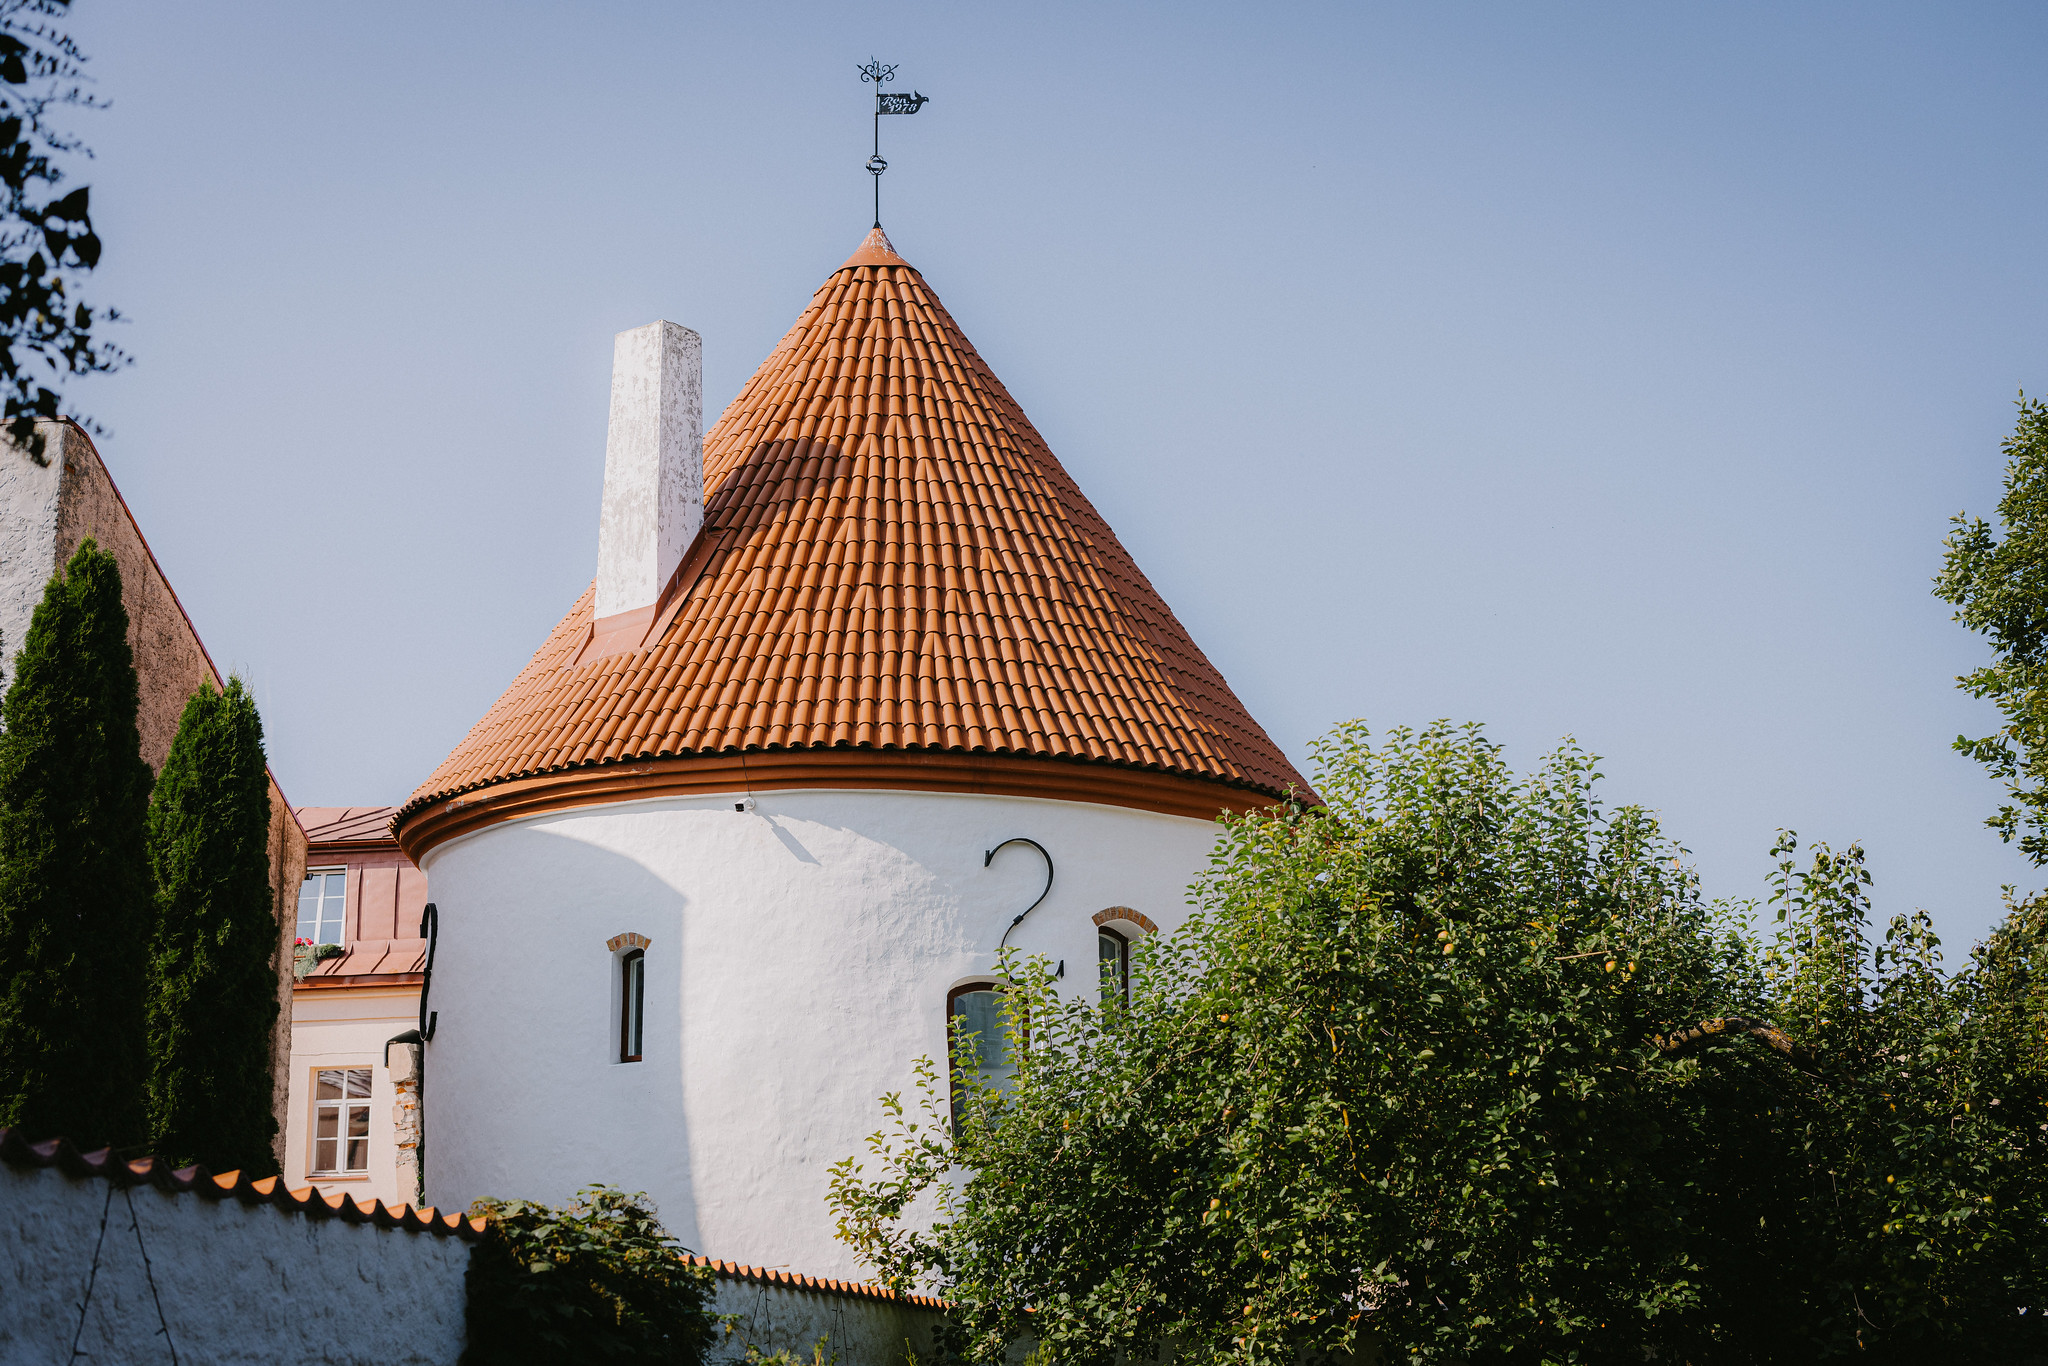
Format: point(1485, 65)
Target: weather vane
point(886, 102)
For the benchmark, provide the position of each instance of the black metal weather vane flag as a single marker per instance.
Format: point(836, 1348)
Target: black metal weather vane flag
point(886, 102)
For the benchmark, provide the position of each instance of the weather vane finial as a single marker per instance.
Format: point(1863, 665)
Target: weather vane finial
point(886, 102)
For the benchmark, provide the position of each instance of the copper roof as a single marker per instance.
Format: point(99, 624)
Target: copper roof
point(892, 561)
point(347, 824)
point(386, 895)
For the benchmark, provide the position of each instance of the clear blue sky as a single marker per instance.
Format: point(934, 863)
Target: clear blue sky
point(1608, 370)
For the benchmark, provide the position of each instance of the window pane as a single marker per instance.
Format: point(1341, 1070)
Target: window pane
point(337, 885)
point(1110, 959)
point(359, 1154)
point(981, 1014)
point(323, 1157)
point(359, 1082)
point(330, 1085)
point(327, 1123)
point(638, 980)
point(358, 1121)
point(309, 907)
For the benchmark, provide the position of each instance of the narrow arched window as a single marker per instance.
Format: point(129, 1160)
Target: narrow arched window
point(974, 1013)
point(632, 1003)
point(1113, 961)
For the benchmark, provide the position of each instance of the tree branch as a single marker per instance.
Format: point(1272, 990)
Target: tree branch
point(1725, 1024)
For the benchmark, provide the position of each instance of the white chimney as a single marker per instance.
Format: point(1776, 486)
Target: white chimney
point(653, 465)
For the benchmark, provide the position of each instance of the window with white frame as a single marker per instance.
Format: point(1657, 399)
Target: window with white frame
point(341, 1121)
point(321, 898)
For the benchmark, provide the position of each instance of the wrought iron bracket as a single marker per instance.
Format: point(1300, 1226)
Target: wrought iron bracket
point(430, 930)
point(990, 857)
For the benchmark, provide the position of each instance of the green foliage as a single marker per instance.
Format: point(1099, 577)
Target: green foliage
point(213, 974)
point(1460, 1065)
point(820, 1355)
point(47, 240)
point(599, 1280)
point(75, 906)
point(1999, 588)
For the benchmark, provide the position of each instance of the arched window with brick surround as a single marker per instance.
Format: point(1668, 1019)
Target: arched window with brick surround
point(629, 982)
point(1116, 929)
point(975, 1009)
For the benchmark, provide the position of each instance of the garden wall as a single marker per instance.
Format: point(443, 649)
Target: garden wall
point(121, 1263)
point(861, 1324)
point(126, 1262)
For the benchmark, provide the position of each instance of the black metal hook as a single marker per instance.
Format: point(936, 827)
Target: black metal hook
point(990, 857)
point(430, 930)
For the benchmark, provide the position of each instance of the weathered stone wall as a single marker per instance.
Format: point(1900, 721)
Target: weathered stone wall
point(46, 510)
point(855, 1330)
point(117, 1274)
point(127, 1263)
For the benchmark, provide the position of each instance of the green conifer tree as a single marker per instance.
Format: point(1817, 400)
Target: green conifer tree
point(213, 973)
point(75, 906)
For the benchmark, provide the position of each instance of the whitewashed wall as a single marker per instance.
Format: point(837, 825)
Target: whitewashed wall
point(799, 962)
point(222, 1281)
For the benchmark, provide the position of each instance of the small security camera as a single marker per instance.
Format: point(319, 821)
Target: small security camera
point(744, 806)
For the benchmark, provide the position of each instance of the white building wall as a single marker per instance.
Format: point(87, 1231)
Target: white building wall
point(347, 1027)
point(799, 962)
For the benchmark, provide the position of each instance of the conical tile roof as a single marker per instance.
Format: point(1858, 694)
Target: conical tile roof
point(894, 568)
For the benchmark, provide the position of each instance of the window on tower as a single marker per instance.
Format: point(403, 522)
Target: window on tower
point(632, 1004)
point(974, 1013)
point(1113, 958)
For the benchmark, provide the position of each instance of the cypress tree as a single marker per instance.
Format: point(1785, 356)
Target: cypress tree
point(212, 971)
point(214, 959)
point(75, 906)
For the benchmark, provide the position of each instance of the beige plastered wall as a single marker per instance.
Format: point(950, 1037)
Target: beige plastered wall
point(43, 532)
point(346, 1026)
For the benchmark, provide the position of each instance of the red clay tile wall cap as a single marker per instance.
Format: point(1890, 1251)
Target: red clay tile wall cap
point(17, 1151)
point(858, 1289)
point(876, 251)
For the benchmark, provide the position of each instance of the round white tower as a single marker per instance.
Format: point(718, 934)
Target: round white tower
point(720, 864)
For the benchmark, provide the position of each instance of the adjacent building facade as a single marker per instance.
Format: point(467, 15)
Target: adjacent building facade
point(353, 1121)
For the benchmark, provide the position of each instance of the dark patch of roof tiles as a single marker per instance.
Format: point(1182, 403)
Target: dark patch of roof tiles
point(892, 559)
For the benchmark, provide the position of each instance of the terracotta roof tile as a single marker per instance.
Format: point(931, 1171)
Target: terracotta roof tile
point(892, 559)
point(773, 1276)
point(17, 1151)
